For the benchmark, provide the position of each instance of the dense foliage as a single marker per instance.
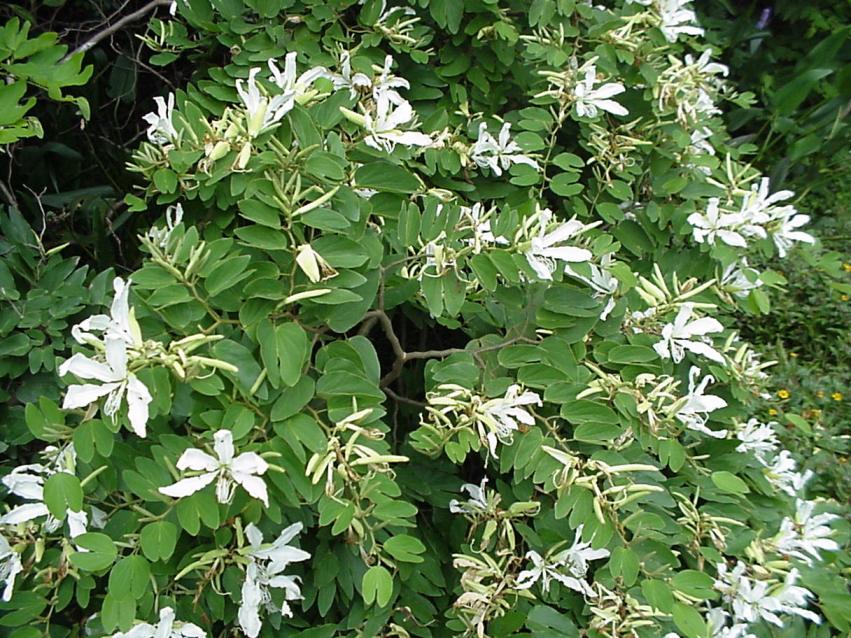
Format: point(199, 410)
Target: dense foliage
point(437, 332)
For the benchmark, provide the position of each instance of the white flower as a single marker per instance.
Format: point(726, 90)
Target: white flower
point(716, 620)
point(790, 598)
point(676, 19)
point(805, 535)
point(687, 334)
point(576, 558)
point(693, 413)
point(160, 236)
point(280, 553)
point(739, 279)
point(700, 141)
point(498, 154)
point(758, 438)
point(296, 89)
point(384, 126)
point(589, 100)
point(704, 66)
point(116, 382)
point(544, 249)
point(120, 323)
point(569, 567)
point(27, 482)
point(10, 567)
point(784, 233)
point(501, 416)
point(227, 470)
point(262, 112)
point(481, 223)
point(476, 504)
point(347, 80)
point(165, 628)
point(386, 82)
point(760, 206)
point(714, 224)
point(264, 572)
point(603, 282)
point(784, 475)
point(160, 127)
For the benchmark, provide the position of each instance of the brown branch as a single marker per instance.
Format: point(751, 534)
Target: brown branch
point(402, 357)
point(100, 35)
point(398, 397)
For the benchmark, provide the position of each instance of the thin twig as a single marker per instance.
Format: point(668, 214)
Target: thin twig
point(398, 397)
point(100, 35)
point(9, 195)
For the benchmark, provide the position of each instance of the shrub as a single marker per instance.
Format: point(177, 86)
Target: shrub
point(438, 335)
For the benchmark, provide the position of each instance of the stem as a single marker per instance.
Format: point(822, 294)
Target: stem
point(100, 35)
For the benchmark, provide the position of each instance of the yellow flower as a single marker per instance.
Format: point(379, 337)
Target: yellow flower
point(784, 394)
point(794, 355)
point(772, 412)
point(836, 396)
point(820, 394)
point(846, 267)
point(843, 297)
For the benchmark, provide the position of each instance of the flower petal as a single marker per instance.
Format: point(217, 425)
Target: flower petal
point(188, 486)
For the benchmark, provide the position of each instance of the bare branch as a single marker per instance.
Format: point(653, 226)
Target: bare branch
point(100, 35)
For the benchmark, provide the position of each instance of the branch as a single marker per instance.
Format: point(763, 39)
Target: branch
point(100, 35)
point(402, 357)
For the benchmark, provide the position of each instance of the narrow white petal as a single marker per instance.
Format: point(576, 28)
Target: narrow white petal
point(188, 486)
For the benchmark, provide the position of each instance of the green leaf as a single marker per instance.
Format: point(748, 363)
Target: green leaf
point(730, 483)
point(292, 345)
point(689, 621)
point(632, 354)
point(101, 552)
point(226, 274)
point(694, 583)
point(62, 492)
point(405, 548)
point(377, 586)
point(158, 540)
point(387, 177)
point(129, 577)
point(260, 213)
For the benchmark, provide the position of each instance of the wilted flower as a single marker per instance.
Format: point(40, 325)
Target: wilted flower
point(498, 154)
point(165, 628)
point(689, 334)
point(313, 264)
point(160, 127)
point(228, 471)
